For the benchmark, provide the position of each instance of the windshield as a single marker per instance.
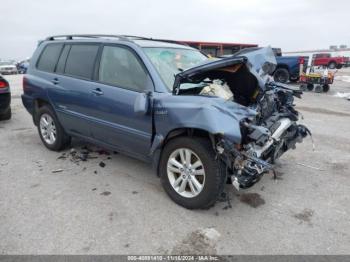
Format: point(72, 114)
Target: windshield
point(171, 61)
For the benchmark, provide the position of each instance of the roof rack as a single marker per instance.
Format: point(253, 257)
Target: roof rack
point(71, 37)
point(154, 39)
point(128, 38)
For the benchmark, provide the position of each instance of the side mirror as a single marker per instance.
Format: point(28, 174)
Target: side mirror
point(141, 105)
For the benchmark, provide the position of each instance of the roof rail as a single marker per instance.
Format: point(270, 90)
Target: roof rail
point(70, 37)
point(128, 38)
point(155, 39)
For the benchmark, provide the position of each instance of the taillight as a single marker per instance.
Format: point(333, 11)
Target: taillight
point(24, 83)
point(3, 84)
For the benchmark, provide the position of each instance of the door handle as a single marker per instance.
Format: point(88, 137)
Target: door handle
point(97, 92)
point(55, 81)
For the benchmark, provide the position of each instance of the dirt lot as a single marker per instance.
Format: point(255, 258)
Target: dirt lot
point(121, 208)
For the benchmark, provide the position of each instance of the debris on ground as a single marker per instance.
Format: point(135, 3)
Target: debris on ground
point(94, 189)
point(62, 156)
point(103, 152)
point(105, 193)
point(305, 215)
point(57, 170)
point(102, 164)
point(84, 154)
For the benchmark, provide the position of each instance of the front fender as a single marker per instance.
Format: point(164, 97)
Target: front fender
point(211, 114)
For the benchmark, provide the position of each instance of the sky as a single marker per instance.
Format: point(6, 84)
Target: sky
point(292, 25)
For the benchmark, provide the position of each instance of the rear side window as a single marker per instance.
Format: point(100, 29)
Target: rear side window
point(48, 58)
point(62, 60)
point(81, 60)
point(120, 67)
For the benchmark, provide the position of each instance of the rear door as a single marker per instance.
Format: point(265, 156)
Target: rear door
point(71, 86)
point(121, 77)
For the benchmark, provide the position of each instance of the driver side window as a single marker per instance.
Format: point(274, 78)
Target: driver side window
point(120, 67)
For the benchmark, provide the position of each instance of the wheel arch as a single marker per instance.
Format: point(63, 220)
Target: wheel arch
point(160, 141)
point(332, 62)
point(38, 103)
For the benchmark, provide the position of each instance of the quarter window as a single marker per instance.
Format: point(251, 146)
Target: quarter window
point(49, 57)
point(81, 60)
point(120, 67)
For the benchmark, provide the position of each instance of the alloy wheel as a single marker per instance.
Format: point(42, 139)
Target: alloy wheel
point(48, 129)
point(186, 172)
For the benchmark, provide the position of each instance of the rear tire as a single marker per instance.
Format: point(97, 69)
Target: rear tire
point(309, 87)
point(325, 88)
point(332, 65)
point(339, 66)
point(212, 179)
point(281, 75)
point(318, 89)
point(7, 115)
point(50, 130)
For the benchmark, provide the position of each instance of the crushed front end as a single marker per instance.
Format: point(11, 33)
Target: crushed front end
point(265, 137)
point(240, 81)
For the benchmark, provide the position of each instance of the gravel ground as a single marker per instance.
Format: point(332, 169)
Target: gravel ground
point(120, 208)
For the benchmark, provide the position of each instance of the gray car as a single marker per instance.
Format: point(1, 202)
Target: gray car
point(7, 68)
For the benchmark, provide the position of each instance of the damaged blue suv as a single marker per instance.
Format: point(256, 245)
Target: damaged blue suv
point(202, 123)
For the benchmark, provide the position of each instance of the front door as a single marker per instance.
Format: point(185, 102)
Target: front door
point(121, 77)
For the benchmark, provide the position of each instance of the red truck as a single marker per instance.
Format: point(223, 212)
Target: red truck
point(326, 59)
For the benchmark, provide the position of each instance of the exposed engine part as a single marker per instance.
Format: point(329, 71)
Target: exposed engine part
point(250, 171)
point(218, 88)
point(258, 150)
point(247, 169)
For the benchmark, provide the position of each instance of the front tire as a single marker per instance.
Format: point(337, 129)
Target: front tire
point(332, 65)
point(309, 87)
point(281, 75)
point(318, 89)
point(50, 130)
point(190, 173)
point(325, 88)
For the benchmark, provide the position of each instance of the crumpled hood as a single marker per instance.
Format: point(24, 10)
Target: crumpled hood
point(260, 62)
